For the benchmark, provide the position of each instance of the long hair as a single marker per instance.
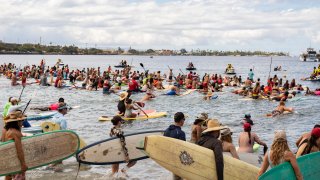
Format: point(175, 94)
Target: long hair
point(311, 142)
point(226, 138)
point(249, 133)
point(278, 148)
point(12, 125)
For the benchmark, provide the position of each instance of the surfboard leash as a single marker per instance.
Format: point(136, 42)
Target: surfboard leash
point(78, 170)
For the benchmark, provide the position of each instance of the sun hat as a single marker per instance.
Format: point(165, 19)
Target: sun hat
point(280, 135)
point(226, 131)
point(14, 116)
point(123, 95)
point(214, 125)
point(315, 132)
point(203, 116)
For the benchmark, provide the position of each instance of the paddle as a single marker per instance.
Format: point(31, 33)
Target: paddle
point(26, 106)
point(142, 67)
point(21, 92)
point(141, 110)
point(181, 71)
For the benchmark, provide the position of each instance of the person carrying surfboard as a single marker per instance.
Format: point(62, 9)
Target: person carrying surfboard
point(12, 131)
point(174, 131)
point(278, 154)
point(116, 131)
point(209, 139)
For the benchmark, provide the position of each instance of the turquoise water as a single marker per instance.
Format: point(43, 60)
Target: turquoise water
point(227, 107)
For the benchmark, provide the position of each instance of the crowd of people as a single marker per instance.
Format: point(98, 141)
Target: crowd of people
point(205, 131)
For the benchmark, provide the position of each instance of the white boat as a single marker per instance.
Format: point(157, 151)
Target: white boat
point(230, 71)
point(310, 55)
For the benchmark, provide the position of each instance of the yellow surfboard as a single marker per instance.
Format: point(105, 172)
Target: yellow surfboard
point(142, 117)
point(191, 161)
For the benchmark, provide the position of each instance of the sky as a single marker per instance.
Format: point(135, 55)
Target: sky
point(267, 25)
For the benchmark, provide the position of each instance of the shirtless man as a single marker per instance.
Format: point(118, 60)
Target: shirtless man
point(280, 109)
point(14, 79)
point(248, 83)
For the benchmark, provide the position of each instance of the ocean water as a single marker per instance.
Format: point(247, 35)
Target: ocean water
point(228, 107)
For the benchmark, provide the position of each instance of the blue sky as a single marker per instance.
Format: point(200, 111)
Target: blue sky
point(269, 25)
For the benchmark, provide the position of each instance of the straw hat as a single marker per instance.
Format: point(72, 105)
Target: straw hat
point(214, 125)
point(14, 116)
point(123, 95)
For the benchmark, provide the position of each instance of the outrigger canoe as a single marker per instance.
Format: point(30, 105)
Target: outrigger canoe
point(140, 117)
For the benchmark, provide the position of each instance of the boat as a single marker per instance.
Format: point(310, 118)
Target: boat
point(310, 55)
point(121, 66)
point(317, 78)
point(191, 68)
point(230, 71)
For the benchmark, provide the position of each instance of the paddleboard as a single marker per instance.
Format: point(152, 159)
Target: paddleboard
point(41, 116)
point(251, 158)
point(109, 151)
point(191, 161)
point(32, 130)
point(141, 117)
point(50, 126)
point(188, 92)
point(39, 150)
point(308, 164)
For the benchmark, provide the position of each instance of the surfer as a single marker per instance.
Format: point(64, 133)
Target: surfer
point(280, 153)
point(226, 139)
point(12, 131)
point(59, 117)
point(209, 139)
point(251, 74)
point(280, 109)
point(116, 131)
point(247, 139)
point(129, 107)
point(121, 103)
point(174, 131)
point(311, 144)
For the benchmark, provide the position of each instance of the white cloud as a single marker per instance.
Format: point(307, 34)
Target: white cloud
point(212, 24)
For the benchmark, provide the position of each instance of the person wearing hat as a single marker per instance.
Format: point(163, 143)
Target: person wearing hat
point(312, 145)
point(279, 153)
point(59, 118)
point(304, 137)
point(116, 131)
point(209, 139)
point(12, 131)
point(227, 146)
point(247, 119)
point(121, 103)
point(247, 139)
point(174, 131)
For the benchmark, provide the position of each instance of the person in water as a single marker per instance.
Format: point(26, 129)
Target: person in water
point(121, 103)
point(129, 107)
point(52, 107)
point(196, 130)
point(280, 153)
point(247, 139)
point(12, 131)
point(226, 139)
point(209, 139)
point(247, 119)
point(311, 145)
point(116, 131)
point(174, 131)
point(304, 137)
point(280, 109)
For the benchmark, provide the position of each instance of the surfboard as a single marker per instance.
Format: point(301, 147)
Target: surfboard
point(32, 130)
point(191, 161)
point(188, 92)
point(251, 158)
point(308, 164)
point(109, 151)
point(141, 117)
point(37, 151)
point(50, 126)
point(41, 116)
